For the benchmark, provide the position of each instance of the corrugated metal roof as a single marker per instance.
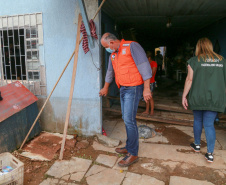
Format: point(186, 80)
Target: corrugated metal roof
point(187, 16)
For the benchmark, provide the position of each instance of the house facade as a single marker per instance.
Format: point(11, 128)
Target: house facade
point(37, 40)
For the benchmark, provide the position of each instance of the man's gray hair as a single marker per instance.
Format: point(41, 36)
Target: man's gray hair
point(110, 36)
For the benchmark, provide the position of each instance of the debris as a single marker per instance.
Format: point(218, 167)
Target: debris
point(20, 151)
point(160, 129)
point(107, 141)
point(104, 132)
point(45, 146)
point(82, 144)
point(146, 132)
point(70, 143)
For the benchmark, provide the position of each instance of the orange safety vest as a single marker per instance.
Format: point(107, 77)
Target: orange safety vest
point(126, 72)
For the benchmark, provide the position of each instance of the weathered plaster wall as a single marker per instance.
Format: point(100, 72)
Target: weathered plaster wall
point(59, 32)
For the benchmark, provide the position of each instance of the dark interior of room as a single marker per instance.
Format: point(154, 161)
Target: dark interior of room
point(174, 24)
point(177, 25)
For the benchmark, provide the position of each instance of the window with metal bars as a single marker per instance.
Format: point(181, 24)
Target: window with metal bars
point(20, 54)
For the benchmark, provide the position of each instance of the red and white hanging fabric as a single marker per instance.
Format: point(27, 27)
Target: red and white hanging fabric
point(85, 43)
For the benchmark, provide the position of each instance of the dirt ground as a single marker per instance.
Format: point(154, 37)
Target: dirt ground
point(34, 171)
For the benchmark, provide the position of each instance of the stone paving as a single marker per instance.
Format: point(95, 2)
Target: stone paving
point(185, 181)
point(75, 170)
point(106, 160)
point(105, 170)
point(134, 179)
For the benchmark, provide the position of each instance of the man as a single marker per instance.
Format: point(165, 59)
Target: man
point(154, 66)
point(132, 71)
point(158, 59)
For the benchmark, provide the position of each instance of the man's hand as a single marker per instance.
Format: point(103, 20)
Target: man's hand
point(147, 94)
point(104, 90)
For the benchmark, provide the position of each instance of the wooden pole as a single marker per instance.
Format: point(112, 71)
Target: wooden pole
point(47, 100)
point(72, 86)
point(99, 9)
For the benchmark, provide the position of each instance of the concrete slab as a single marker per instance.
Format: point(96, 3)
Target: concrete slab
point(33, 156)
point(147, 180)
point(181, 154)
point(222, 173)
point(119, 132)
point(106, 160)
point(141, 140)
point(218, 145)
point(140, 122)
point(62, 168)
point(151, 167)
point(174, 180)
point(157, 139)
point(107, 141)
point(66, 177)
point(220, 135)
point(62, 182)
point(94, 170)
point(189, 131)
point(170, 164)
point(77, 176)
point(108, 176)
point(186, 166)
point(134, 179)
point(98, 146)
point(117, 167)
point(50, 181)
point(43, 147)
point(61, 135)
point(109, 126)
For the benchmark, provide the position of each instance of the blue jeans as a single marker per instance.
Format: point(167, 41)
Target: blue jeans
point(206, 119)
point(130, 97)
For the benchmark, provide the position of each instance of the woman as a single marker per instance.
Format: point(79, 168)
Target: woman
point(205, 83)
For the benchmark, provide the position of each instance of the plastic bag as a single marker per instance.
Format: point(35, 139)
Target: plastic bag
point(146, 132)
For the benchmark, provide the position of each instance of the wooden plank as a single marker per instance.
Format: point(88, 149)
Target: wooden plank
point(72, 86)
point(168, 107)
point(156, 118)
point(159, 105)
